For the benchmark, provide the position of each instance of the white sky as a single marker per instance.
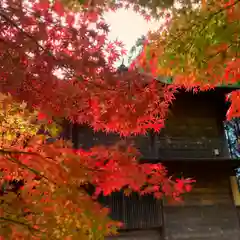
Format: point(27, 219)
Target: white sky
point(128, 26)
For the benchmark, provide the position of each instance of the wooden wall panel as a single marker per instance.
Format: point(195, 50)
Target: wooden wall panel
point(207, 213)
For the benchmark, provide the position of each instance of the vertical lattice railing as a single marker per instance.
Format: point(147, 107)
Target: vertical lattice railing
point(136, 212)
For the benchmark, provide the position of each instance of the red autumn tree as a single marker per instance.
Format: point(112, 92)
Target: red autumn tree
point(62, 64)
point(36, 43)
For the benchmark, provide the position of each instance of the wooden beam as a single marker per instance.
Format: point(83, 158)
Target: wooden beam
point(235, 190)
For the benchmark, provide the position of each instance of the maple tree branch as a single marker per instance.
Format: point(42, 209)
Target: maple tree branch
point(229, 6)
point(206, 20)
point(219, 52)
point(30, 228)
point(4, 152)
point(9, 20)
point(25, 166)
point(14, 160)
point(209, 18)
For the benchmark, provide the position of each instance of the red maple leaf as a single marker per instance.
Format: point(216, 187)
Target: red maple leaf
point(58, 8)
point(44, 4)
point(41, 116)
point(123, 52)
point(136, 8)
point(147, 18)
point(119, 43)
point(93, 16)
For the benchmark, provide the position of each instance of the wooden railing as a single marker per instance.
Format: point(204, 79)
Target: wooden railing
point(192, 148)
point(134, 211)
point(157, 147)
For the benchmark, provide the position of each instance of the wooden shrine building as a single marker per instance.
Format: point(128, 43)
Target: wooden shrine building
point(197, 142)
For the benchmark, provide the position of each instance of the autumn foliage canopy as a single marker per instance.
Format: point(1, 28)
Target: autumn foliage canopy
point(58, 65)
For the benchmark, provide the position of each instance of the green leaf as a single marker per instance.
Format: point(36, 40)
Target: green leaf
point(81, 2)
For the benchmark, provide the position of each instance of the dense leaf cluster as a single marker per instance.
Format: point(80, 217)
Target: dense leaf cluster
point(59, 65)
